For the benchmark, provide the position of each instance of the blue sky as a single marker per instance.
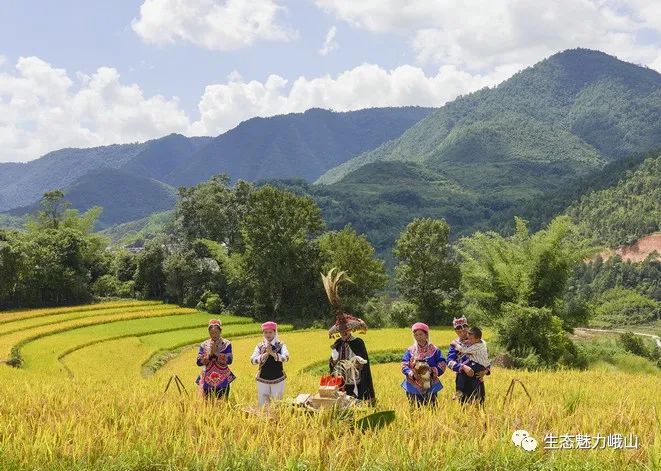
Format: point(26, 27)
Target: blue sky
point(84, 35)
point(86, 73)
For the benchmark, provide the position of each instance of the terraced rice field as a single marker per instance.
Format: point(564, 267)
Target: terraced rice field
point(89, 395)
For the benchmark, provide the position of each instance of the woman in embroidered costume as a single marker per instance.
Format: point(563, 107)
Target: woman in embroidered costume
point(457, 360)
point(213, 356)
point(270, 354)
point(422, 364)
point(349, 358)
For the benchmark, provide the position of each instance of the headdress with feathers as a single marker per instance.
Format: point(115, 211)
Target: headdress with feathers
point(343, 320)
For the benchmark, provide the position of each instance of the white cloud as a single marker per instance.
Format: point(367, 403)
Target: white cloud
point(3, 60)
point(213, 24)
point(384, 15)
point(330, 44)
point(223, 106)
point(481, 34)
point(42, 109)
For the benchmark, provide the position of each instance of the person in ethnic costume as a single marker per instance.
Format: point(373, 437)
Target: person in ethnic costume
point(456, 360)
point(469, 385)
point(214, 356)
point(422, 364)
point(349, 358)
point(270, 354)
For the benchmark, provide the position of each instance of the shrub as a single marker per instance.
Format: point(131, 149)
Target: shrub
point(526, 330)
point(633, 343)
point(403, 313)
point(106, 286)
point(376, 313)
point(214, 304)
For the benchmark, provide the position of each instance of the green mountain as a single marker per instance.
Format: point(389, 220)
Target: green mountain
point(23, 184)
point(123, 196)
point(164, 158)
point(302, 145)
point(140, 229)
point(566, 115)
point(497, 151)
point(626, 211)
point(539, 211)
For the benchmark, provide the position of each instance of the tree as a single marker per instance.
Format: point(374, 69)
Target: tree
point(526, 269)
point(187, 276)
point(125, 265)
point(149, 273)
point(354, 254)
point(281, 259)
point(517, 283)
point(58, 273)
point(426, 274)
point(213, 210)
point(52, 211)
point(12, 266)
point(55, 261)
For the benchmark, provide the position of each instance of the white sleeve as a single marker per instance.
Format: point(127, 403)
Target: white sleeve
point(254, 359)
point(460, 348)
point(284, 353)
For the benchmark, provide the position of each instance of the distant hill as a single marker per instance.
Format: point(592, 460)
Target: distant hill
point(23, 184)
point(140, 229)
point(298, 144)
point(164, 158)
point(302, 145)
point(123, 196)
point(541, 209)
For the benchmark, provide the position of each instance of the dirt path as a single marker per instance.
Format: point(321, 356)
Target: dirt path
point(656, 338)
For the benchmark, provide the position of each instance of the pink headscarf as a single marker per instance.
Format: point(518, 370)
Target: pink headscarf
point(270, 325)
point(420, 326)
point(215, 323)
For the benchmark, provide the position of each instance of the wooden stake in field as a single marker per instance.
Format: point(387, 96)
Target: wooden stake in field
point(510, 390)
point(178, 383)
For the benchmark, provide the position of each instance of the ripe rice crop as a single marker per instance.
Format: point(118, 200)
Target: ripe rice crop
point(116, 419)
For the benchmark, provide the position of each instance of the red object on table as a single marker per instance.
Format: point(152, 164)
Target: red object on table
point(330, 380)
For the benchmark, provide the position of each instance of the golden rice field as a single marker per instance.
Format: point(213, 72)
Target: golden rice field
point(89, 395)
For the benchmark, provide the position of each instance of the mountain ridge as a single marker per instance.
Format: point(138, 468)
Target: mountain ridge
point(571, 82)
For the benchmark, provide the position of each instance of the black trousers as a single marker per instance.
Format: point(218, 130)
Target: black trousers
point(218, 393)
point(422, 400)
point(471, 389)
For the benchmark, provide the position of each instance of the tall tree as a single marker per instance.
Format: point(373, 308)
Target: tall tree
point(149, 275)
point(517, 283)
point(213, 210)
point(426, 274)
point(59, 272)
point(527, 269)
point(53, 207)
point(281, 258)
point(354, 254)
point(12, 266)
